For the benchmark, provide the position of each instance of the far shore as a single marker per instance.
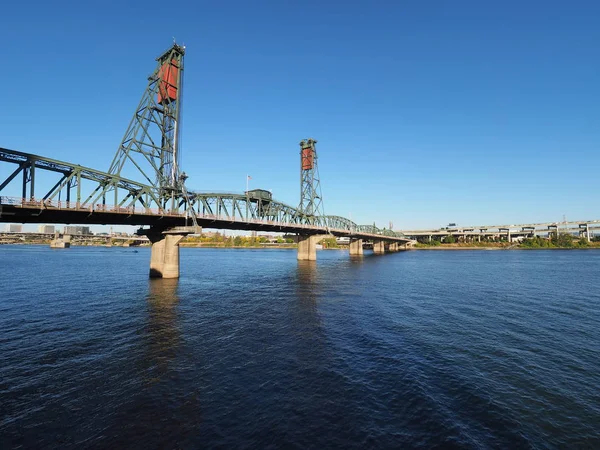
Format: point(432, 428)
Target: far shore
point(294, 247)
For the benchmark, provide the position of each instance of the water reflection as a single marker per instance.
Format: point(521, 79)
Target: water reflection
point(162, 411)
point(306, 320)
point(162, 332)
point(308, 290)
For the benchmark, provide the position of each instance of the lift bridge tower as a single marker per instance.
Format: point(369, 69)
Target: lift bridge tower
point(311, 203)
point(152, 145)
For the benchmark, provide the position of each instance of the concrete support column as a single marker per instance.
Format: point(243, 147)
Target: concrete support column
point(378, 247)
point(587, 232)
point(164, 259)
point(307, 248)
point(60, 241)
point(393, 247)
point(356, 247)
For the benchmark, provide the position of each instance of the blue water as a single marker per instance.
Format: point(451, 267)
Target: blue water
point(251, 349)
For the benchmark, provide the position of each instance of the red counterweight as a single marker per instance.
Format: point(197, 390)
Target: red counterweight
point(308, 158)
point(167, 82)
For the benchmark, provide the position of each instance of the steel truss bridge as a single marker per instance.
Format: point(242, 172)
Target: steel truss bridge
point(83, 195)
point(53, 191)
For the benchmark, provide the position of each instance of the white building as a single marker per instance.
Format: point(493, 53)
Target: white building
point(77, 230)
point(46, 229)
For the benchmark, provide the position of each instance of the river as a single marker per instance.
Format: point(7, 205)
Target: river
point(252, 349)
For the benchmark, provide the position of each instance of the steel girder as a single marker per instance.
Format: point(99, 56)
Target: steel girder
point(242, 207)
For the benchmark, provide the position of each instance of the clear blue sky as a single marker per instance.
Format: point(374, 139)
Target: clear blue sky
point(426, 112)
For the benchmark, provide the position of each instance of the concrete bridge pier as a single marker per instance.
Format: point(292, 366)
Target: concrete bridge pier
point(379, 247)
point(307, 247)
point(356, 247)
point(393, 247)
point(164, 258)
point(60, 241)
point(584, 232)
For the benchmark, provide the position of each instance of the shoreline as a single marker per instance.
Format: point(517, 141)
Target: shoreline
point(505, 248)
point(292, 247)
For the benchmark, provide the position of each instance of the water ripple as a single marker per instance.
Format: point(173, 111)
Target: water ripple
point(254, 349)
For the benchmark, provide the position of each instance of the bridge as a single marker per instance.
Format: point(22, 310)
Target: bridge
point(145, 186)
point(583, 228)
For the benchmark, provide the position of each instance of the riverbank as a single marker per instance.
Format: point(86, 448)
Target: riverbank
point(506, 246)
point(440, 247)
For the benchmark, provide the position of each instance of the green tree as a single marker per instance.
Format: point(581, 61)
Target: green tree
point(563, 240)
point(330, 242)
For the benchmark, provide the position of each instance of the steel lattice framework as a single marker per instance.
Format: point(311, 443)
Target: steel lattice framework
point(151, 142)
point(311, 202)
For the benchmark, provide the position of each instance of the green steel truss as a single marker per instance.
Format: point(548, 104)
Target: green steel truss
point(102, 188)
point(105, 189)
point(241, 207)
point(311, 203)
point(151, 145)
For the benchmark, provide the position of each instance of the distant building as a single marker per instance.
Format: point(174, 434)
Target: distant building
point(14, 228)
point(46, 229)
point(76, 230)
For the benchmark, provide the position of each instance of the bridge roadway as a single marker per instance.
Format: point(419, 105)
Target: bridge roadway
point(40, 211)
point(583, 227)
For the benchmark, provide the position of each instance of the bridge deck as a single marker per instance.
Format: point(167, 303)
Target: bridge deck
point(18, 211)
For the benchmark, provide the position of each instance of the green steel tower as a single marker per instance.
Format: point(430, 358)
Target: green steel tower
point(151, 145)
point(311, 204)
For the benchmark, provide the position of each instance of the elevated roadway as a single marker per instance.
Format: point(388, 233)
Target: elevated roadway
point(582, 227)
